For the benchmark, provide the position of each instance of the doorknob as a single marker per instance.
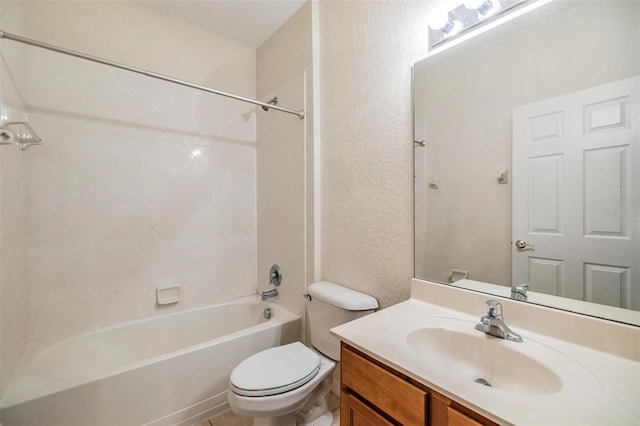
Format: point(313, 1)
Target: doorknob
point(521, 244)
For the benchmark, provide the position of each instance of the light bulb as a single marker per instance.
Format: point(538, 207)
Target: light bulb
point(485, 8)
point(489, 8)
point(438, 19)
point(473, 4)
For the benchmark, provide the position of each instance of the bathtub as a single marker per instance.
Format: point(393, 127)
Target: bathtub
point(166, 370)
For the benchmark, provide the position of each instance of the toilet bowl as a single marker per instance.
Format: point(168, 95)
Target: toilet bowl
point(288, 385)
point(279, 384)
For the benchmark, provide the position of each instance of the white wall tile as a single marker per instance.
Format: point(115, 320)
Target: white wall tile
point(41, 292)
point(43, 325)
point(128, 195)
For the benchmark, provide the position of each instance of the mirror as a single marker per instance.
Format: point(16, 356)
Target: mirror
point(531, 133)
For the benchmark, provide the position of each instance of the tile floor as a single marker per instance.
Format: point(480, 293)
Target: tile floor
point(229, 418)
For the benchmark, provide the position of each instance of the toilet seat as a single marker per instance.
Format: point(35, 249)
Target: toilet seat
point(275, 370)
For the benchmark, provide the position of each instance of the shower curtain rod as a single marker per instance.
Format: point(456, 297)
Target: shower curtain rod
point(62, 50)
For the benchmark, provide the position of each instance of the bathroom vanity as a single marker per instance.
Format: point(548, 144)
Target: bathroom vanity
point(374, 393)
point(422, 361)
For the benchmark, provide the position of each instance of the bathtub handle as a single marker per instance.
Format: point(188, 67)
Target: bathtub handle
point(275, 276)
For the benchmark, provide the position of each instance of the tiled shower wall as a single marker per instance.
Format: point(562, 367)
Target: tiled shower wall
point(14, 330)
point(141, 184)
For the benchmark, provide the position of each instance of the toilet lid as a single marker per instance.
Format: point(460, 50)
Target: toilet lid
point(275, 370)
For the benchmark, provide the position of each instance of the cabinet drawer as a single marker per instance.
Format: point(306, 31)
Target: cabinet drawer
point(391, 394)
point(456, 418)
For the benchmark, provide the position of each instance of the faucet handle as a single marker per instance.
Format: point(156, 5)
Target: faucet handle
point(275, 276)
point(524, 286)
point(519, 292)
point(494, 308)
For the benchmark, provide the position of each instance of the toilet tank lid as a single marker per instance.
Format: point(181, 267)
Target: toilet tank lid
point(342, 297)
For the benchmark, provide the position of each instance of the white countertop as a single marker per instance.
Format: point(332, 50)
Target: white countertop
point(599, 387)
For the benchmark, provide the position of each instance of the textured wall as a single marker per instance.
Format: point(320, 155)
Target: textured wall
point(367, 50)
point(285, 160)
point(141, 184)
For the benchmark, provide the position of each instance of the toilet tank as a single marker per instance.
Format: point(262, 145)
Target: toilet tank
point(331, 305)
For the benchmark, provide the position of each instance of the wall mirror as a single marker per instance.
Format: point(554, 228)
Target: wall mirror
point(531, 133)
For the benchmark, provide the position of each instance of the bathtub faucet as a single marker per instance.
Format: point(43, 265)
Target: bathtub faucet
point(268, 294)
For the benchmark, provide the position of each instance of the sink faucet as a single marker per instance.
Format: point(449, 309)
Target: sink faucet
point(493, 323)
point(519, 292)
point(271, 293)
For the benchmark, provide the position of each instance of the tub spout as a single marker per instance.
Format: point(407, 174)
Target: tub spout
point(268, 294)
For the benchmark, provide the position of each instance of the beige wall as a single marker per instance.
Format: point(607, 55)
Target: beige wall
point(285, 160)
point(367, 51)
point(468, 124)
point(126, 32)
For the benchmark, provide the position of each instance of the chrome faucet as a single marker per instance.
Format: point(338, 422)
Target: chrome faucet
point(519, 292)
point(268, 294)
point(493, 323)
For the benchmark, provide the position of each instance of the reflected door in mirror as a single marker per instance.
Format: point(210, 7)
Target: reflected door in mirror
point(576, 194)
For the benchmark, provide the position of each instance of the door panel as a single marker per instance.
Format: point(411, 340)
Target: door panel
point(604, 182)
point(548, 275)
point(576, 195)
point(607, 285)
point(545, 194)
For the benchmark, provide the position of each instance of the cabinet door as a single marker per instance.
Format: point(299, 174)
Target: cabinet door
point(355, 413)
point(385, 390)
point(456, 418)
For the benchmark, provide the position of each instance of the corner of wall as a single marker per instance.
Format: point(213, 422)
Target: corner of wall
point(14, 321)
point(286, 236)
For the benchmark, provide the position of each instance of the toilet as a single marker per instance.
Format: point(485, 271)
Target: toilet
point(288, 385)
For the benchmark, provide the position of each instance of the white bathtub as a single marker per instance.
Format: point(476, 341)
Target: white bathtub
point(166, 370)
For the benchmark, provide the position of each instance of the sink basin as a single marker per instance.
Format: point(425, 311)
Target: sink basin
point(548, 378)
point(482, 359)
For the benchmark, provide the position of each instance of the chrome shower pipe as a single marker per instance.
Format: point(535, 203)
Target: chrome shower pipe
point(162, 77)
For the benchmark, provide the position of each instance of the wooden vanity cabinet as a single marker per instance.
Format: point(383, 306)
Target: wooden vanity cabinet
point(372, 393)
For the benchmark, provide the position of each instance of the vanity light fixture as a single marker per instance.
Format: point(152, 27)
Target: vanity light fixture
point(445, 25)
